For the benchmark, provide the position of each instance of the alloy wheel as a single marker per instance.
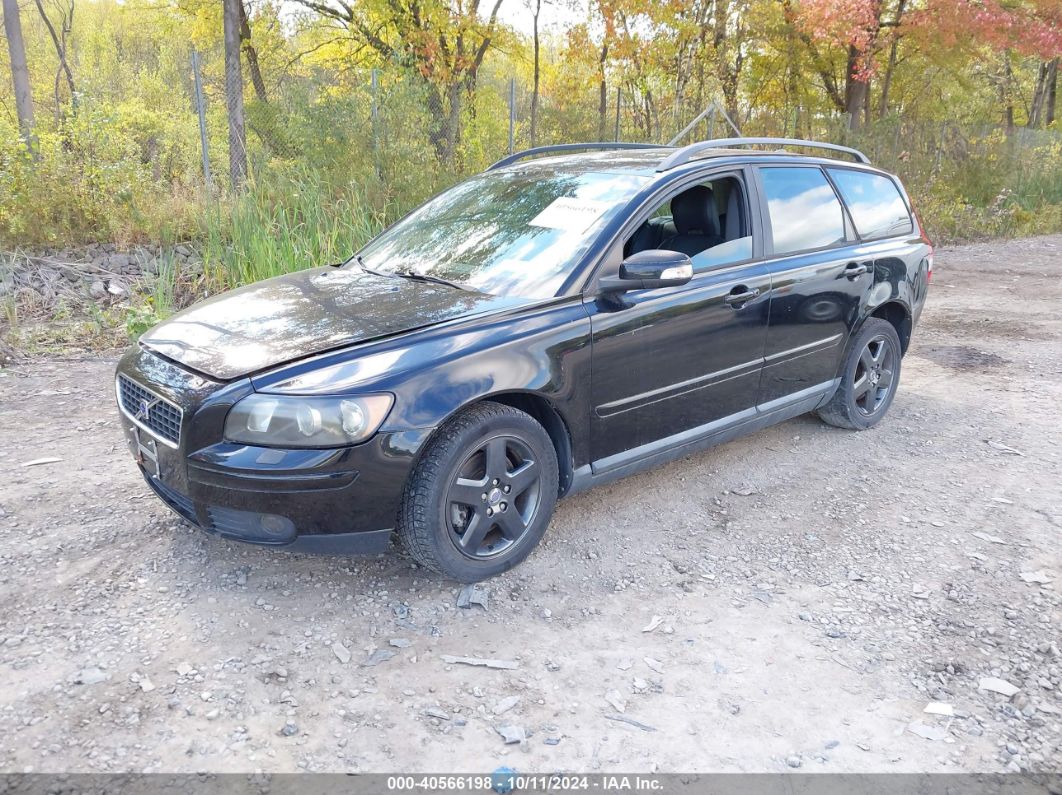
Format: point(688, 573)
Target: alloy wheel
point(493, 498)
point(874, 375)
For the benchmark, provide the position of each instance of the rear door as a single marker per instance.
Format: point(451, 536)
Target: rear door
point(819, 281)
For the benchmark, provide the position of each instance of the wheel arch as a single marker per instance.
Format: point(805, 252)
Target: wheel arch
point(550, 418)
point(899, 316)
point(543, 411)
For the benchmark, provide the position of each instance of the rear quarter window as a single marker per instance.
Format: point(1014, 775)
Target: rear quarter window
point(877, 208)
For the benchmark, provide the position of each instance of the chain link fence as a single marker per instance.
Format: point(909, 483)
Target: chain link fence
point(407, 124)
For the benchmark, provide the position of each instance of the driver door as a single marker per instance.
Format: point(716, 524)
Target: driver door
point(676, 362)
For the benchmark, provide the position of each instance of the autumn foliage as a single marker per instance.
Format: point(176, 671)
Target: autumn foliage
point(376, 104)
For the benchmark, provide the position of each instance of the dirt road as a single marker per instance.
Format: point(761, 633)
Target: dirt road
point(815, 588)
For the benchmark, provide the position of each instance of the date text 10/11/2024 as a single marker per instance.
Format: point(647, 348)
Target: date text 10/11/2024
point(506, 780)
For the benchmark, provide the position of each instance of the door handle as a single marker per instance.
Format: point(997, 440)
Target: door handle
point(740, 296)
point(853, 269)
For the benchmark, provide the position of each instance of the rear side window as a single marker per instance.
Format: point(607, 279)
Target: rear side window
point(875, 203)
point(805, 212)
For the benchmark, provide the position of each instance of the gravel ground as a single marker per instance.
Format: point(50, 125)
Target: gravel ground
point(794, 599)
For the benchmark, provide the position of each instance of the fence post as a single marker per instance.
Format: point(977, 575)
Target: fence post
point(200, 107)
point(619, 99)
point(512, 114)
point(940, 146)
point(375, 114)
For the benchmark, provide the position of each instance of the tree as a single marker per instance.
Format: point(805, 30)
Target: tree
point(820, 63)
point(19, 71)
point(1052, 96)
point(728, 43)
point(628, 41)
point(635, 53)
point(1005, 82)
point(1026, 27)
point(59, 40)
point(856, 27)
point(602, 94)
point(604, 8)
point(442, 42)
point(890, 68)
point(687, 62)
point(252, 55)
point(1051, 93)
point(234, 94)
point(1030, 28)
point(536, 6)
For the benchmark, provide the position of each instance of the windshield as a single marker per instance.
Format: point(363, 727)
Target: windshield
point(505, 233)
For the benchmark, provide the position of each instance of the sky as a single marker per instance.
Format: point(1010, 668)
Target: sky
point(555, 15)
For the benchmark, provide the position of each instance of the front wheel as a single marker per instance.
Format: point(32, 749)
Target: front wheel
point(869, 377)
point(480, 498)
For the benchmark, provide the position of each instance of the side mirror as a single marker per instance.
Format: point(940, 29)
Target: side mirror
point(648, 270)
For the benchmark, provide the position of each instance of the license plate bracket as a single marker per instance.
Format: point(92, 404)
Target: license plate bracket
point(147, 453)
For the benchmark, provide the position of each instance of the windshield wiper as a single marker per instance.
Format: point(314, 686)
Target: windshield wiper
point(352, 258)
point(411, 274)
point(424, 277)
point(361, 264)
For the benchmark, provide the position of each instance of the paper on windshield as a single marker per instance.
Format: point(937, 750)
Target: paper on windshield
point(570, 213)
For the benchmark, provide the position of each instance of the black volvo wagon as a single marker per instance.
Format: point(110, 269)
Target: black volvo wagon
point(572, 315)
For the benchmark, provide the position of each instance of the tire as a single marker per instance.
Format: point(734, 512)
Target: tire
point(457, 492)
point(869, 378)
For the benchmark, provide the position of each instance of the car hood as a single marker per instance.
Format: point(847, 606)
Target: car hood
point(286, 318)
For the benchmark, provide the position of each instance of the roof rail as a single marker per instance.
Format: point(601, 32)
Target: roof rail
point(541, 150)
point(688, 153)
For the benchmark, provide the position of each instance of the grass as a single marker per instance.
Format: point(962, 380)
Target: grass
point(276, 226)
point(289, 220)
point(273, 229)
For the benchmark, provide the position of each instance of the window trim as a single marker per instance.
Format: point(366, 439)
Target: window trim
point(850, 236)
point(665, 192)
point(899, 192)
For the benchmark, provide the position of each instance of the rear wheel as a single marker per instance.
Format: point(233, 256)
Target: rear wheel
point(482, 495)
point(869, 378)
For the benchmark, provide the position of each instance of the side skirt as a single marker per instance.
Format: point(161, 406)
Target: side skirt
point(694, 440)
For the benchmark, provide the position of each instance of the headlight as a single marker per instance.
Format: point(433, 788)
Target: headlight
point(283, 421)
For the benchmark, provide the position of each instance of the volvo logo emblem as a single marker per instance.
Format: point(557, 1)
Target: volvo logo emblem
point(144, 408)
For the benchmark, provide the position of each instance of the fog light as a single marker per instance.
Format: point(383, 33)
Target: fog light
point(257, 528)
point(276, 526)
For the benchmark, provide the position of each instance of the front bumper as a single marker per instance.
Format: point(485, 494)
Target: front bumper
point(256, 528)
point(340, 501)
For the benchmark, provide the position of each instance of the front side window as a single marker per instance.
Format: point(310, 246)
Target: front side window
point(805, 212)
point(516, 233)
point(874, 201)
point(706, 222)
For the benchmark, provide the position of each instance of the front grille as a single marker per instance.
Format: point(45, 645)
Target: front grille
point(149, 410)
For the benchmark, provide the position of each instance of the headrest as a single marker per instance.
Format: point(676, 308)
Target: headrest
point(694, 212)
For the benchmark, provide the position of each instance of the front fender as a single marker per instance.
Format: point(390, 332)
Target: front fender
point(544, 350)
point(548, 357)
